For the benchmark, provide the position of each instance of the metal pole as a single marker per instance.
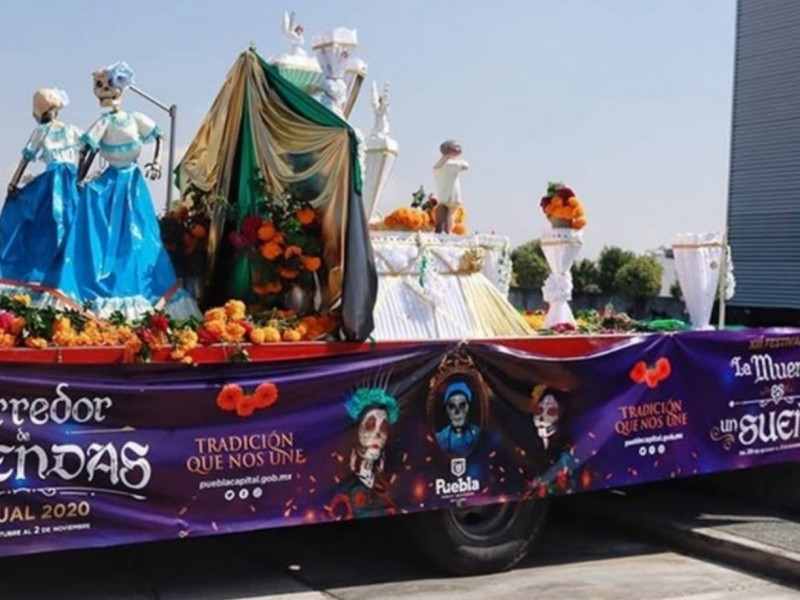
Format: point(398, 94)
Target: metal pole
point(173, 117)
point(173, 114)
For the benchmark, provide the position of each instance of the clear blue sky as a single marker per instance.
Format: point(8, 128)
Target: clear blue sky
point(627, 101)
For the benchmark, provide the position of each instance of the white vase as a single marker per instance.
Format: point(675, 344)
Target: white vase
point(561, 247)
point(698, 259)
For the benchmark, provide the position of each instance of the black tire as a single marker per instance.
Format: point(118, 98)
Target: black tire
point(480, 540)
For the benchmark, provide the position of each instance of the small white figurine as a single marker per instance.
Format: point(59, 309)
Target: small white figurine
point(448, 188)
point(294, 31)
point(380, 106)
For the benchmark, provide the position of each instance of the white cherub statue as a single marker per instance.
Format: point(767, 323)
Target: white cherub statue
point(380, 106)
point(446, 172)
point(294, 31)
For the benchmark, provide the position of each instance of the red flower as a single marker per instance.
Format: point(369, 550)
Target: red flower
point(250, 228)
point(206, 335)
point(228, 397)
point(6, 320)
point(663, 368)
point(236, 240)
point(159, 322)
point(544, 201)
point(651, 378)
point(432, 201)
point(266, 395)
point(245, 406)
point(639, 372)
point(565, 193)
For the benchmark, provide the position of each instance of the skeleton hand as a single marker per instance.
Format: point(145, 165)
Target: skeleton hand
point(152, 170)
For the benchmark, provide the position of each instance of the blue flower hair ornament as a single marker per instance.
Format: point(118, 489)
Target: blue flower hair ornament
point(457, 387)
point(365, 398)
point(120, 74)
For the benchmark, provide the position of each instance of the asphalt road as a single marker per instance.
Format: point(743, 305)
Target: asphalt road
point(367, 560)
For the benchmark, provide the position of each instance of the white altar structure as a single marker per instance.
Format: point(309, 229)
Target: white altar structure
point(434, 286)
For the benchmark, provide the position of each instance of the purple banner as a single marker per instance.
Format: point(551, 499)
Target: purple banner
point(129, 453)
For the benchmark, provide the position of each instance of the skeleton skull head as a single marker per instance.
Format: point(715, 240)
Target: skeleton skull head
point(457, 406)
point(373, 432)
point(109, 95)
point(545, 419)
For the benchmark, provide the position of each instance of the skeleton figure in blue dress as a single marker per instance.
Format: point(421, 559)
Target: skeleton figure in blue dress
point(113, 258)
point(35, 217)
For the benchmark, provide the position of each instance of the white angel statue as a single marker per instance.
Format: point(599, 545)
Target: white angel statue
point(294, 31)
point(380, 106)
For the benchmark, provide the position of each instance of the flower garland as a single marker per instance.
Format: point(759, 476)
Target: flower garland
point(25, 326)
point(562, 207)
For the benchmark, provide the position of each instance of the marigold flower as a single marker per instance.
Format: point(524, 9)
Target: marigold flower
point(229, 396)
point(271, 335)
point(7, 340)
point(199, 232)
point(291, 335)
point(234, 332)
point(459, 229)
point(306, 216)
point(292, 251)
point(35, 342)
point(235, 309)
point(267, 231)
point(23, 299)
point(311, 263)
point(210, 332)
point(288, 273)
point(266, 394)
point(271, 250)
point(214, 314)
point(258, 335)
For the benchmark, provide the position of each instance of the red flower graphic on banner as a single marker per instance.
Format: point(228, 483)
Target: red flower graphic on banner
point(232, 398)
point(266, 395)
point(229, 396)
point(652, 376)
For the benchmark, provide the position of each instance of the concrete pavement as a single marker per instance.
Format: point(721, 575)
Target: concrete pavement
point(713, 526)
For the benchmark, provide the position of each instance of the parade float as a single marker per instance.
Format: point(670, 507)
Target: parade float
point(324, 360)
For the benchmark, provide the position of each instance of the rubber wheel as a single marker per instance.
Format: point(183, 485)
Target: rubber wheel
point(481, 539)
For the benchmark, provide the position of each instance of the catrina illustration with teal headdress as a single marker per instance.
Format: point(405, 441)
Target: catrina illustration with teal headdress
point(365, 491)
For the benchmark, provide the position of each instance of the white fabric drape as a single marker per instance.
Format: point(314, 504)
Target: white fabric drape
point(560, 247)
point(698, 258)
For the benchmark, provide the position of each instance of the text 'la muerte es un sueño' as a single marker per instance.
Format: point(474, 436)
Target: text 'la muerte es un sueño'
point(118, 464)
point(776, 420)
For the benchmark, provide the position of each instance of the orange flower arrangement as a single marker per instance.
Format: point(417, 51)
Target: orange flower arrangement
point(283, 245)
point(421, 215)
point(232, 398)
point(184, 231)
point(562, 207)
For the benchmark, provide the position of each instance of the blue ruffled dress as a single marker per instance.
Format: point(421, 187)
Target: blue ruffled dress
point(35, 219)
point(112, 257)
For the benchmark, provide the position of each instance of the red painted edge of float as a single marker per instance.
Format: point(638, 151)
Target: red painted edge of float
point(555, 346)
